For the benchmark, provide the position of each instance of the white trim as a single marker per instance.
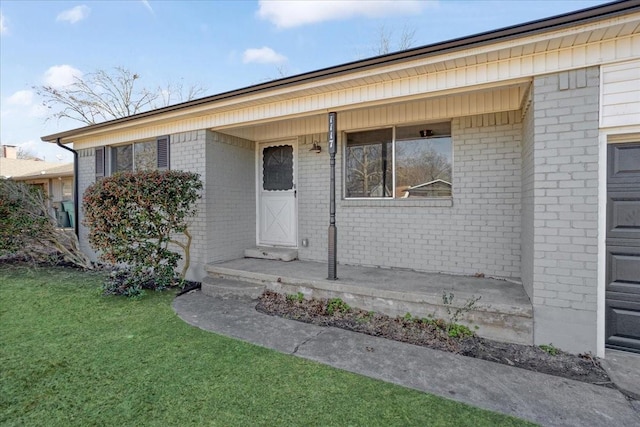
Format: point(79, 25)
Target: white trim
point(394, 144)
point(258, 187)
point(602, 246)
point(603, 142)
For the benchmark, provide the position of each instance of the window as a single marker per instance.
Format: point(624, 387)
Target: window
point(400, 162)
point(277, 166)
point(145, 155)
point(67, 186)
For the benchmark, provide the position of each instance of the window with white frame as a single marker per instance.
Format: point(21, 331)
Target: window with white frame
point(137, 156)
point(67, 185)
point(399, 162)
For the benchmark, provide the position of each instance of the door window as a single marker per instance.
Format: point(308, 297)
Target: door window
point(277, 167)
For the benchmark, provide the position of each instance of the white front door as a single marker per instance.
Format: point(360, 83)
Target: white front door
point(277, 221)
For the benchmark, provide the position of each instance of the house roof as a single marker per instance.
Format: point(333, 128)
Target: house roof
point(289, 86)
point(22, 169)
point(426, 184)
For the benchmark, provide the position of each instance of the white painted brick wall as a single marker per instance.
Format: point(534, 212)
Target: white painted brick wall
point(231, 199)
point(189, 153)
point(478, 232)
point(565, 217)
point(313, 197)
point(225, 223)
point(528, 202)
point(86, 177)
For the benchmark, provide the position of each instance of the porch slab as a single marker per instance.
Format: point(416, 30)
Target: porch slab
point(276, 254)
point(225, 288)
point(504, 311)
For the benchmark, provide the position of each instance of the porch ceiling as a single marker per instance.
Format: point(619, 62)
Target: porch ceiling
point(433, 107)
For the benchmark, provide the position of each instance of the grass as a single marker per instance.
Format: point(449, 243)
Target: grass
point(69, 356)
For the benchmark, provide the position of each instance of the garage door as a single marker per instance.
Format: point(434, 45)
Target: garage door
point(623, 247)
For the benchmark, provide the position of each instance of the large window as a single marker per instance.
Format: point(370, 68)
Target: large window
point(145, 155)
point(399, 162)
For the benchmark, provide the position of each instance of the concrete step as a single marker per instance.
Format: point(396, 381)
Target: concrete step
point(277, 254)
point(228, 288)
point(499, 321)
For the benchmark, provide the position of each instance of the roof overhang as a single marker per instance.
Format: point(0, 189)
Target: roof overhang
point(597, 24)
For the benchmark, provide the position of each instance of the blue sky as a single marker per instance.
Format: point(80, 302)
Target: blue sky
point(220, 45)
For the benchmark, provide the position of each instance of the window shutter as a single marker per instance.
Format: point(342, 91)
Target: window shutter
point(114, 160)
point(163, 152)
point(99, 163)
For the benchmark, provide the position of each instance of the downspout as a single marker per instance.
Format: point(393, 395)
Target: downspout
point(76, 208)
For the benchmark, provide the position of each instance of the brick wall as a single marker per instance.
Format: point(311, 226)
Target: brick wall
point(313, 197)
point(225, 223)
point(86, 177)
point(189, 153)
point(479, 231)
point(566, 208)
point(231, 196)
point(528, 202)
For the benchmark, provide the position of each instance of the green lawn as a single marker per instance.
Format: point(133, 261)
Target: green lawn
point(69, 356)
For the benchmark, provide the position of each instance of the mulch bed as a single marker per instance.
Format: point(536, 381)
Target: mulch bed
point(581, 367)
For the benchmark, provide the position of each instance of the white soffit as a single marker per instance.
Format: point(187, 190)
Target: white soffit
point(492, 64)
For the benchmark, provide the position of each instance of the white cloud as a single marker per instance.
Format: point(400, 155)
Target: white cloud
point(291, 13)
point(39, 111)
point(3, 25)
point(21, 97)
point(148, 6)
point(74, 15)
point(29, 145)
point(264, 55)
point(61, 75)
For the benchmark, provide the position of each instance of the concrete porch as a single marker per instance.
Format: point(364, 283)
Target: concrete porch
point(503, 313)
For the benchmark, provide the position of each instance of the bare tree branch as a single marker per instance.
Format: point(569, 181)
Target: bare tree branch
point(27, 154)
point(107, 95)
point(385, 40)
point(28, 228)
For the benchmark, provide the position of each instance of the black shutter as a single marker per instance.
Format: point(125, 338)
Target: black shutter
point(99, 163)
point(163, 152)
point(114, 160)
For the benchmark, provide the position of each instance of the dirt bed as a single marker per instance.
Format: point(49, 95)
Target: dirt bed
point(432, 333)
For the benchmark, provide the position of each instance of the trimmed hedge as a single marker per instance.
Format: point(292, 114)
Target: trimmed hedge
point(135, 217)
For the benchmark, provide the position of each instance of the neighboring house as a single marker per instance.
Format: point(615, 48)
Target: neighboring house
point(55, 180)
point(435, 188)
point(540, 124)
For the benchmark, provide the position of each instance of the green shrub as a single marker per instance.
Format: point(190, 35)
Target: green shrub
point(456, 330)
point(549, 349)
point(133, 219)
point(299, 297)
point(337, 305)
